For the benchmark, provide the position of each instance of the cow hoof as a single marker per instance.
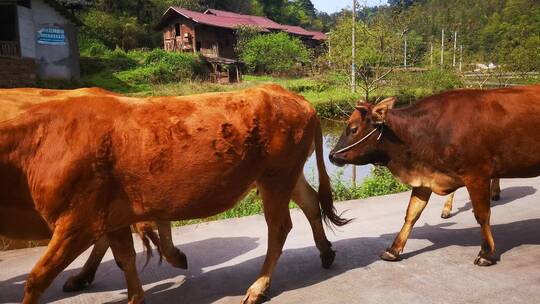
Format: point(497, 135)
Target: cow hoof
point(252, 298)
point(390, 257)
point(178, 260)
point(327, 258)
point(446, 214)
point(481, 261)
point(496, 197)
point(75, 284)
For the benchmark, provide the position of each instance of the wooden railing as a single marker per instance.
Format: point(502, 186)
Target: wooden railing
point(9, 49)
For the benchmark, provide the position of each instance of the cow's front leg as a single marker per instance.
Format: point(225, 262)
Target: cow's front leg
point(70, 238)
point(418, 202)
point(479, 190)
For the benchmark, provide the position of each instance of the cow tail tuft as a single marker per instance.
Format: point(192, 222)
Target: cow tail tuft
point(326, 201)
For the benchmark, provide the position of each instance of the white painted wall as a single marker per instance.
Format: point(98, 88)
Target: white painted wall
point(52, 61)
point(26, 32)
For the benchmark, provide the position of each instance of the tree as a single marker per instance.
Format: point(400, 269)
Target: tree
point(377, 46)
point(276, 53)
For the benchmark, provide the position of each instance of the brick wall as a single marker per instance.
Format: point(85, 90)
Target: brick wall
point(17, 72)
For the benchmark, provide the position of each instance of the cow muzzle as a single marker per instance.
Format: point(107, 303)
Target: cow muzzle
point(337, 159)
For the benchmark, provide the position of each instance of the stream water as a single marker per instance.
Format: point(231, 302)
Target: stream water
point(331, 132)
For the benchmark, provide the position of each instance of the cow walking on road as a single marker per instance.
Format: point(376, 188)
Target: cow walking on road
point(76, 165)
point(447, 141)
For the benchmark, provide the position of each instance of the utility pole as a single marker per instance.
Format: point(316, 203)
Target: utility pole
point(353, 65)
point(442, 49)
point(455, 49)
point(353, 72)
point(460, 56)
point(405, 56)
point(431, 54)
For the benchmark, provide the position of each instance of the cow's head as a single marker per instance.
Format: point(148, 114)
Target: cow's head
point(359, 142)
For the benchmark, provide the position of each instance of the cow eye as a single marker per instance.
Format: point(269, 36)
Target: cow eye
point(354, 130)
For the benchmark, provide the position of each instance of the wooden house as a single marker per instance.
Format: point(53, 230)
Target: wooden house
point(212, 35)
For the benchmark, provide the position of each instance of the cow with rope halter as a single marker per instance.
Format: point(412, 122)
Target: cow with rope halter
point(461, 138)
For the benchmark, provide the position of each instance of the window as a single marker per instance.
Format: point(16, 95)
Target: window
point(25, 3)
point(198, 49)
point(177, 29)
point(9, 46)
point(8, 27)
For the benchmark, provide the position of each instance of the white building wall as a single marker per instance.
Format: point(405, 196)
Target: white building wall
point(55, 61)
point(26, 32)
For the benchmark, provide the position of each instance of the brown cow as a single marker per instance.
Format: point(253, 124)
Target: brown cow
point(447, 141)
point(78, 164)
point(495, 196)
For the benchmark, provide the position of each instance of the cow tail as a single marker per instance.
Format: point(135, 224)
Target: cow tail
point(328, 209)
point(147, 234)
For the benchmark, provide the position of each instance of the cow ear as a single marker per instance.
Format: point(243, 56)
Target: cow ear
point(363, 108)
point(379, 110)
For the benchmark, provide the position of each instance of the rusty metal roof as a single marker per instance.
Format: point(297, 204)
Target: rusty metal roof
point(232, 20)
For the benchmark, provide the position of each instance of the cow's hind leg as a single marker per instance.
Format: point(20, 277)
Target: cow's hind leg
point(418, 202)
point(276, 199)
point(479, 190)
point(67, 243)
point(447, 209)
point(79, 281)
point(121, 242)
point(495, 189)
point(172, 255)
point(307, 199)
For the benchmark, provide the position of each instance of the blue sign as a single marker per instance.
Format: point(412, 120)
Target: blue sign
point(51, 36)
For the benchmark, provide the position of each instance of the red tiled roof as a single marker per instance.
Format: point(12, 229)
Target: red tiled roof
point(208, 19)
point(298, 31)
point(233, 20)
point(319, 36)
point(250, 20)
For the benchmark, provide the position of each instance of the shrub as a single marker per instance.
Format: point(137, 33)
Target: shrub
point(440, 80)
point(117, 53)
point(276, 53)
point(380, 183)
point(113, 30)
point(92, 65)
point(90, 46)
point(159, 66)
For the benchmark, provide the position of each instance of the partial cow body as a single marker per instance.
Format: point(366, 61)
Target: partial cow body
point(87, 162)
point(303, 195)
point(447, 141)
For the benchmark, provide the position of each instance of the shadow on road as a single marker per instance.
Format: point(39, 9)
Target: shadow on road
point(201, 254)
point(297, 268)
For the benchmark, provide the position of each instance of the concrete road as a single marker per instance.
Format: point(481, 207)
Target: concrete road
point(226, 256)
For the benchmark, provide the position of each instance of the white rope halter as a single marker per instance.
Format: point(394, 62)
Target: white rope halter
point(363, 139)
